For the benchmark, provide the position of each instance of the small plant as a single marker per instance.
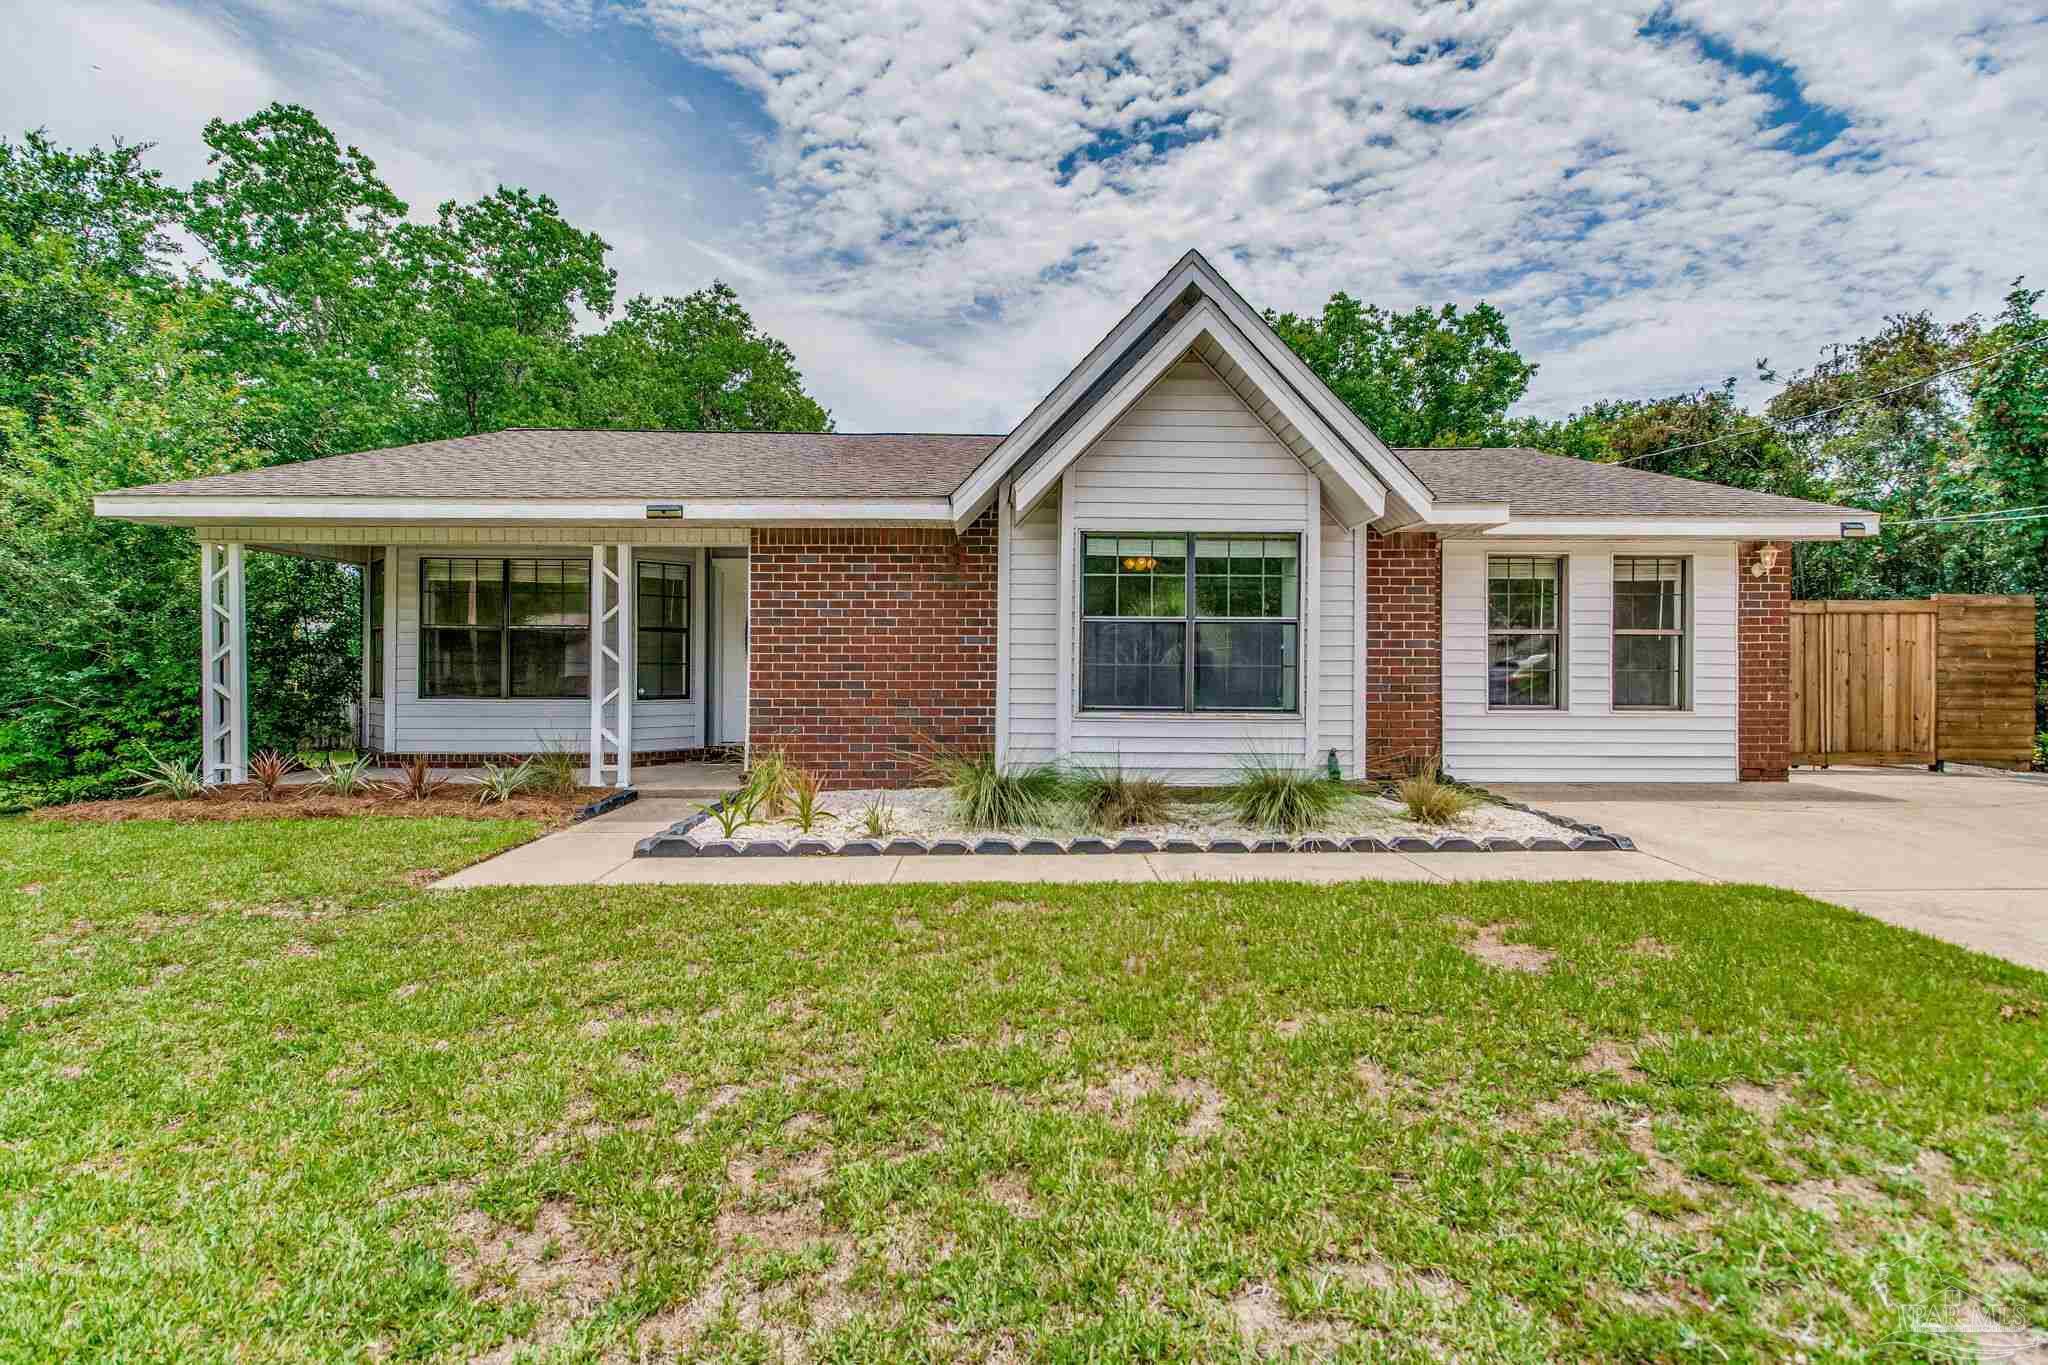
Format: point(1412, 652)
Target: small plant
point(1110, 799)
point(735, 811)
point(878, 819)
point(416, 779)
point(805, 787)
point(553, 769)
point(772, 781)
point(347, 777)
point(164, 778)
point(1431, 799)
point(269, 769)
point(1271, 794)
point(502, 784)
point(990, 796)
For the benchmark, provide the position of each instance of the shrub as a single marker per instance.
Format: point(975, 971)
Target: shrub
point(269, 769)
point(416, 779)
point(348, 777)
point(990, 796)
point(1110, 799)
point(552, 770)
point(771, 780)
point(1270, 794)
point(502, 784)
point(164, 777)
point(878, 819)
point(805, 787)
point(1431, 799)
point(734, 811)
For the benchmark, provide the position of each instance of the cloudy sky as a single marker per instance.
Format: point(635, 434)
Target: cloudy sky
point(942, 204)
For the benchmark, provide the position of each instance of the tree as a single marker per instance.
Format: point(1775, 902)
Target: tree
point(693, 364)
point(503, 279)
point(1420, 378)
point(1704, 434)
point(2009, 405)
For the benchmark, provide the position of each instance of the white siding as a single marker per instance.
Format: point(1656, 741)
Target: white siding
point(464, 725)
point(1188, 456)
point(1588, 740)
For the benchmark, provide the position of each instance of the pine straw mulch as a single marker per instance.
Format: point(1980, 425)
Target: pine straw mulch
point(247, 801)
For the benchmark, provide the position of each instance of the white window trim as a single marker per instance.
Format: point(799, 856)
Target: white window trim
point(1687, 633)
point(1564, 637)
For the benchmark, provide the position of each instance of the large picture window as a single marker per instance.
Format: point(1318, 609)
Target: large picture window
point(1190, 622)
point(504, 628)
point(1524, 631)
point(662, 616)
point(375, 588)
point(1650, 632)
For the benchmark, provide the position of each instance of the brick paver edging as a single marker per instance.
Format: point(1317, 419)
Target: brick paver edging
point(675, 842)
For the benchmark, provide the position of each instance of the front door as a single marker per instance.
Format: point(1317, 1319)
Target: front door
point(729, 644)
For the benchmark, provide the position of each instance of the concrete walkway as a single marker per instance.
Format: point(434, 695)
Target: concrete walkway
point(1961, 855)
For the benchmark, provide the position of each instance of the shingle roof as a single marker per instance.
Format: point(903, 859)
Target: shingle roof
point(576, 465)
point(1535, 484)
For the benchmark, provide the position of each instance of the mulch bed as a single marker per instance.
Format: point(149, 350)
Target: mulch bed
point(247, 801)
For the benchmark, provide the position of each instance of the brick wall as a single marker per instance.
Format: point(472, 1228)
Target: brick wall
point(1763, 727)
point(1404, 651)
point(865, 640)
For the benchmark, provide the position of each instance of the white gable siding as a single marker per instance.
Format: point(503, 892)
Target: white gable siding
point(482, 726)
point(1588, 740)
point(1188, 456)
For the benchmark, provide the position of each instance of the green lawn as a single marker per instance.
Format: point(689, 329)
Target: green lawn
point(264, 1098)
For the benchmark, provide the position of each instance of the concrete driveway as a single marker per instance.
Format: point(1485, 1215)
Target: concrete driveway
point(1960, 855)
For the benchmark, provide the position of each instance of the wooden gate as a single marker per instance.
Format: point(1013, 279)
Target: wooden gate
point(1863, 682)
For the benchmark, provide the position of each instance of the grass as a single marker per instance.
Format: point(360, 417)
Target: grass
point(261, 1097)
point(991, 795)
point(1429, 798)
point(1272, 793)
point(1111, 799)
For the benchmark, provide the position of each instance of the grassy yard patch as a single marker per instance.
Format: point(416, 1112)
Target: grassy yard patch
point(260, 1092)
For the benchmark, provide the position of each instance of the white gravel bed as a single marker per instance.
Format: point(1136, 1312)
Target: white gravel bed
point(927, 813)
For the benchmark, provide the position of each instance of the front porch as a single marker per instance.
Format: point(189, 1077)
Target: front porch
point(494, 644)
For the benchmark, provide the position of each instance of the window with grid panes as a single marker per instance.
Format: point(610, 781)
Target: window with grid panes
point(1650, 632)
point(662, 621)
point(1524, 631)
point(510, 628)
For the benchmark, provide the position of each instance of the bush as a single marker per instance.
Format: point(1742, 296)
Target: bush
point(1270, 794)
point(502, 784)
point(269, 769)
point(1431, 799)
point(1110, 799)
point(348, 777)
point(771, 782)
point(166, 777)
point(552, 770)
point(990, 796)
point(416, 779)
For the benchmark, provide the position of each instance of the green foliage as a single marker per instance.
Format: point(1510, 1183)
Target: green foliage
point(1745, 453)
point(347, 776)
point(693, 364)
point(878, 818)
point(168, 777)
point(1426, 377)
point(1269, 793)
point(1111, 799)
point(991, 796)
point(1430, 799)
point(770, 782)
point(553, 769)
point(805, 787)
point(736, 811)
point(501, 784)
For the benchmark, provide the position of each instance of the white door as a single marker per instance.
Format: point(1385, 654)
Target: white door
point(729, 594)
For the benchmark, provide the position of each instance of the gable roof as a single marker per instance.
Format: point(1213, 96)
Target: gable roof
point(540, 464)
point(1536, 484)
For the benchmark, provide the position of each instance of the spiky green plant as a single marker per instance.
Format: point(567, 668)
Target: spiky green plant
point(735, 811)
point(991, 796)
point(1431, 799)
point(347, 777)
point(878, 819)
point(162, 777)
point(805, 789)
point(554, 769)
point(269, 769)
point(771, 780)
point(1112, 799)
point(1270, 793)
point(501, 784)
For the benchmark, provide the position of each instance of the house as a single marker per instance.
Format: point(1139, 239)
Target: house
point(1190, 550)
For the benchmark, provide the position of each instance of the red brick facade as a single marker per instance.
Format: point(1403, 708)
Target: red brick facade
point(1404, 651)
point(866, 642)
point(1764, 646)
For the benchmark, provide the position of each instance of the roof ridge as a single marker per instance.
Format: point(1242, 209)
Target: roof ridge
point(720, 431)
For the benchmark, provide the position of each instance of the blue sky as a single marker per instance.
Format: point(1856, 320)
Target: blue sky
point(941, 206)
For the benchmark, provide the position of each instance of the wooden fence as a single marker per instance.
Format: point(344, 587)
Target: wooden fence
point(1913, 681)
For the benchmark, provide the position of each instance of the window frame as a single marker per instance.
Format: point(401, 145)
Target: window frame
point(504, 629)
point(1560, 632)
point(640, 626)
point(1683, 632)
point(376, 583)
point(1189, 620)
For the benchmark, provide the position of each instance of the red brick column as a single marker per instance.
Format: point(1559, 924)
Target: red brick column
point(1764, 675)
point(864, 640)
point(1404, 651)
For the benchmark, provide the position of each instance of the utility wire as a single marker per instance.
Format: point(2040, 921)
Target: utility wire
point(2034, 513)
point(1768, 422)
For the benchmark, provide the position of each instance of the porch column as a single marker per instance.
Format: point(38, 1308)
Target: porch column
point(224, 666)
point(390, 745)
point(611, 662)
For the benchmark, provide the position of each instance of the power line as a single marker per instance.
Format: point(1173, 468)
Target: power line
point(2002, 515)
point(1763, 423)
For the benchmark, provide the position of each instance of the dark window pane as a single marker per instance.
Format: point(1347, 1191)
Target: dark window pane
point(462, 592)
point(1246, 666)
point(1522, 670)
point(549, 592)
point(459, 663)
point(1212, 594)
point(1646, 670)
point(1100, 595)
point(1132, 663)
point(550, 663)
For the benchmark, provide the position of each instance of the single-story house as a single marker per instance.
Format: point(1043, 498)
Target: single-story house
point(1188, 552)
